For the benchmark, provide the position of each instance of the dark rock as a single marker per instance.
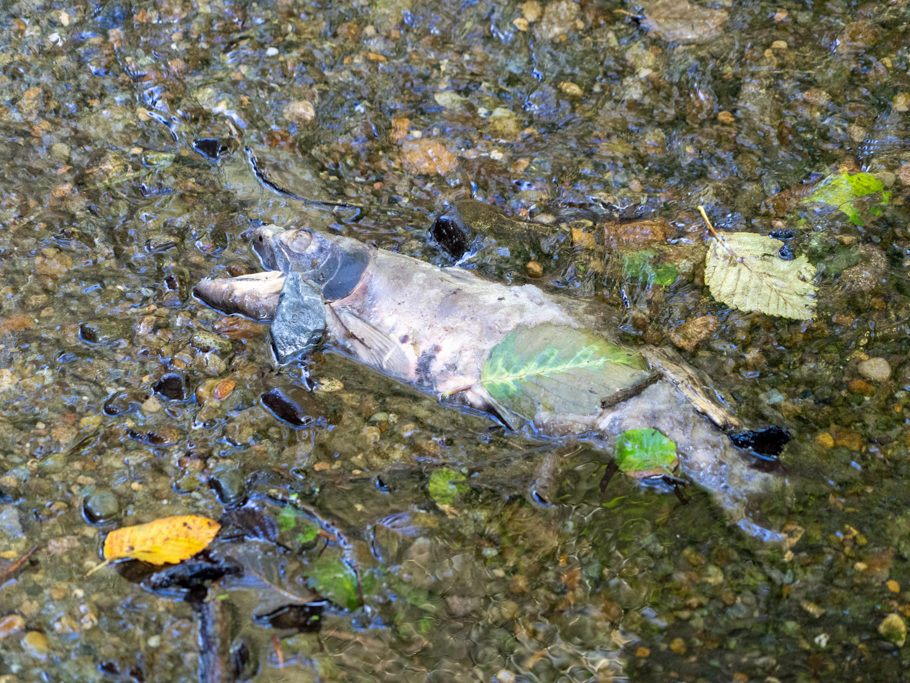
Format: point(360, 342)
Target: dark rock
point(227, 482)
point(294, 405)
point(300, 618)
point(100, 507)
point(171, 387)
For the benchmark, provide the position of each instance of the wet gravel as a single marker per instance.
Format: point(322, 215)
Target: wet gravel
point(124, 181)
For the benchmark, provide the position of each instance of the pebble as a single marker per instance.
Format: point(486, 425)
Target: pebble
point(10, 625)
point(533, 269)
point(427, 156)
point(170, 386)
point(35, 643)
point(227, 482)
point(875, 369)
point(10, 526)
point(893, 629)
point(100, 506)
point(300, 112)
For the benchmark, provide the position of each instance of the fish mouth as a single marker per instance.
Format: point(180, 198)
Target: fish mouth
point(255, 295)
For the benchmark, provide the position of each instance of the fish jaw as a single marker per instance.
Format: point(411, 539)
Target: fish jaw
point(255, 295)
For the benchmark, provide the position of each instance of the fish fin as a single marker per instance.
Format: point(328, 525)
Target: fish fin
point(299, 319)
point(380, 350)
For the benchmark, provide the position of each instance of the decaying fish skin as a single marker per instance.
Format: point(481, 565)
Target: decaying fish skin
point(435, 328)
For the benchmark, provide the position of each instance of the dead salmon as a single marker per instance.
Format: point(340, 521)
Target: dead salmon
point(438, 328)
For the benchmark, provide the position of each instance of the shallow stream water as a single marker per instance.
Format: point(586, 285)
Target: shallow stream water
point(123, 399)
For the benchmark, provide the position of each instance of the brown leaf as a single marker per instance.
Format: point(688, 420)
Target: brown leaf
point(692, 332)
point(237, 327)
point(636, 233)
point(679, 21)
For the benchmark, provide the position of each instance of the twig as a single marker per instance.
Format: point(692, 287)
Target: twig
point(10, 571)
point(715, 234)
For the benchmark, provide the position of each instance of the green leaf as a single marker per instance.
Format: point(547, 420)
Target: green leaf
point(558, 369)
point(446, 485)
point(639, 265)
point(644, 450)
point(840, 190)
point(743, 270)
point(287, 518)
point(332, 578)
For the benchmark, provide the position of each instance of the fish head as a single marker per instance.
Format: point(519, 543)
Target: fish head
point(332, 264)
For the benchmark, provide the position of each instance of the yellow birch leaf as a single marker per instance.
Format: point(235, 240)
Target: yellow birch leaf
point(744, 271)
point(165, 541)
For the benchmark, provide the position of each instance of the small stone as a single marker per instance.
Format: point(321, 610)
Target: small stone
point(893, 629)
point(678, 645)
point(558, 18)
point(520, 23)
point(642, 652)
point(151, 405)
point(100, 506)
point(300, 112)
point(846, 438)
point(811, 608)
point(223, 389)
point(214, 364)
point(904, 174)
point(901, 102)
point(861, 386)
point(779, 45)
point(35, 644)
point(60, 152)
point(875, 369)
point(236, 327)
point(206, 341)
point(10, 526)
point(893, 586)
point(228, 484)
point(726, 117)
point(170, 387)
point(824, 440)
point(7, 379)
point(582, 238)
point(428, 157)
point(10, 625)
point(571, 89)
point(533, 269)
point(692, 332)
point(531, 10)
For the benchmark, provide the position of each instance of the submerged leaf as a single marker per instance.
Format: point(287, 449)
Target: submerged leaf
point(558, 369)
point(446, 485)
point(165, 541)
point(640, 265)
point(743, 270)
point(682, 22)
point(332, 578)
point(644, 452)
point(842, 189)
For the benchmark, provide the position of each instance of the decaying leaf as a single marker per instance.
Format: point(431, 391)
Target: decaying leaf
point(165, 541)
point(553, 368)
point(744, 271)
point(682, 22)
point(644, 452)
point(842, 190)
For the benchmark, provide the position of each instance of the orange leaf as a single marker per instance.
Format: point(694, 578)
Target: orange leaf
point(165, 541)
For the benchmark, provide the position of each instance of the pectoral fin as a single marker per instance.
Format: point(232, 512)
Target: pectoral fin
point(299, 320)
point(375, 346)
